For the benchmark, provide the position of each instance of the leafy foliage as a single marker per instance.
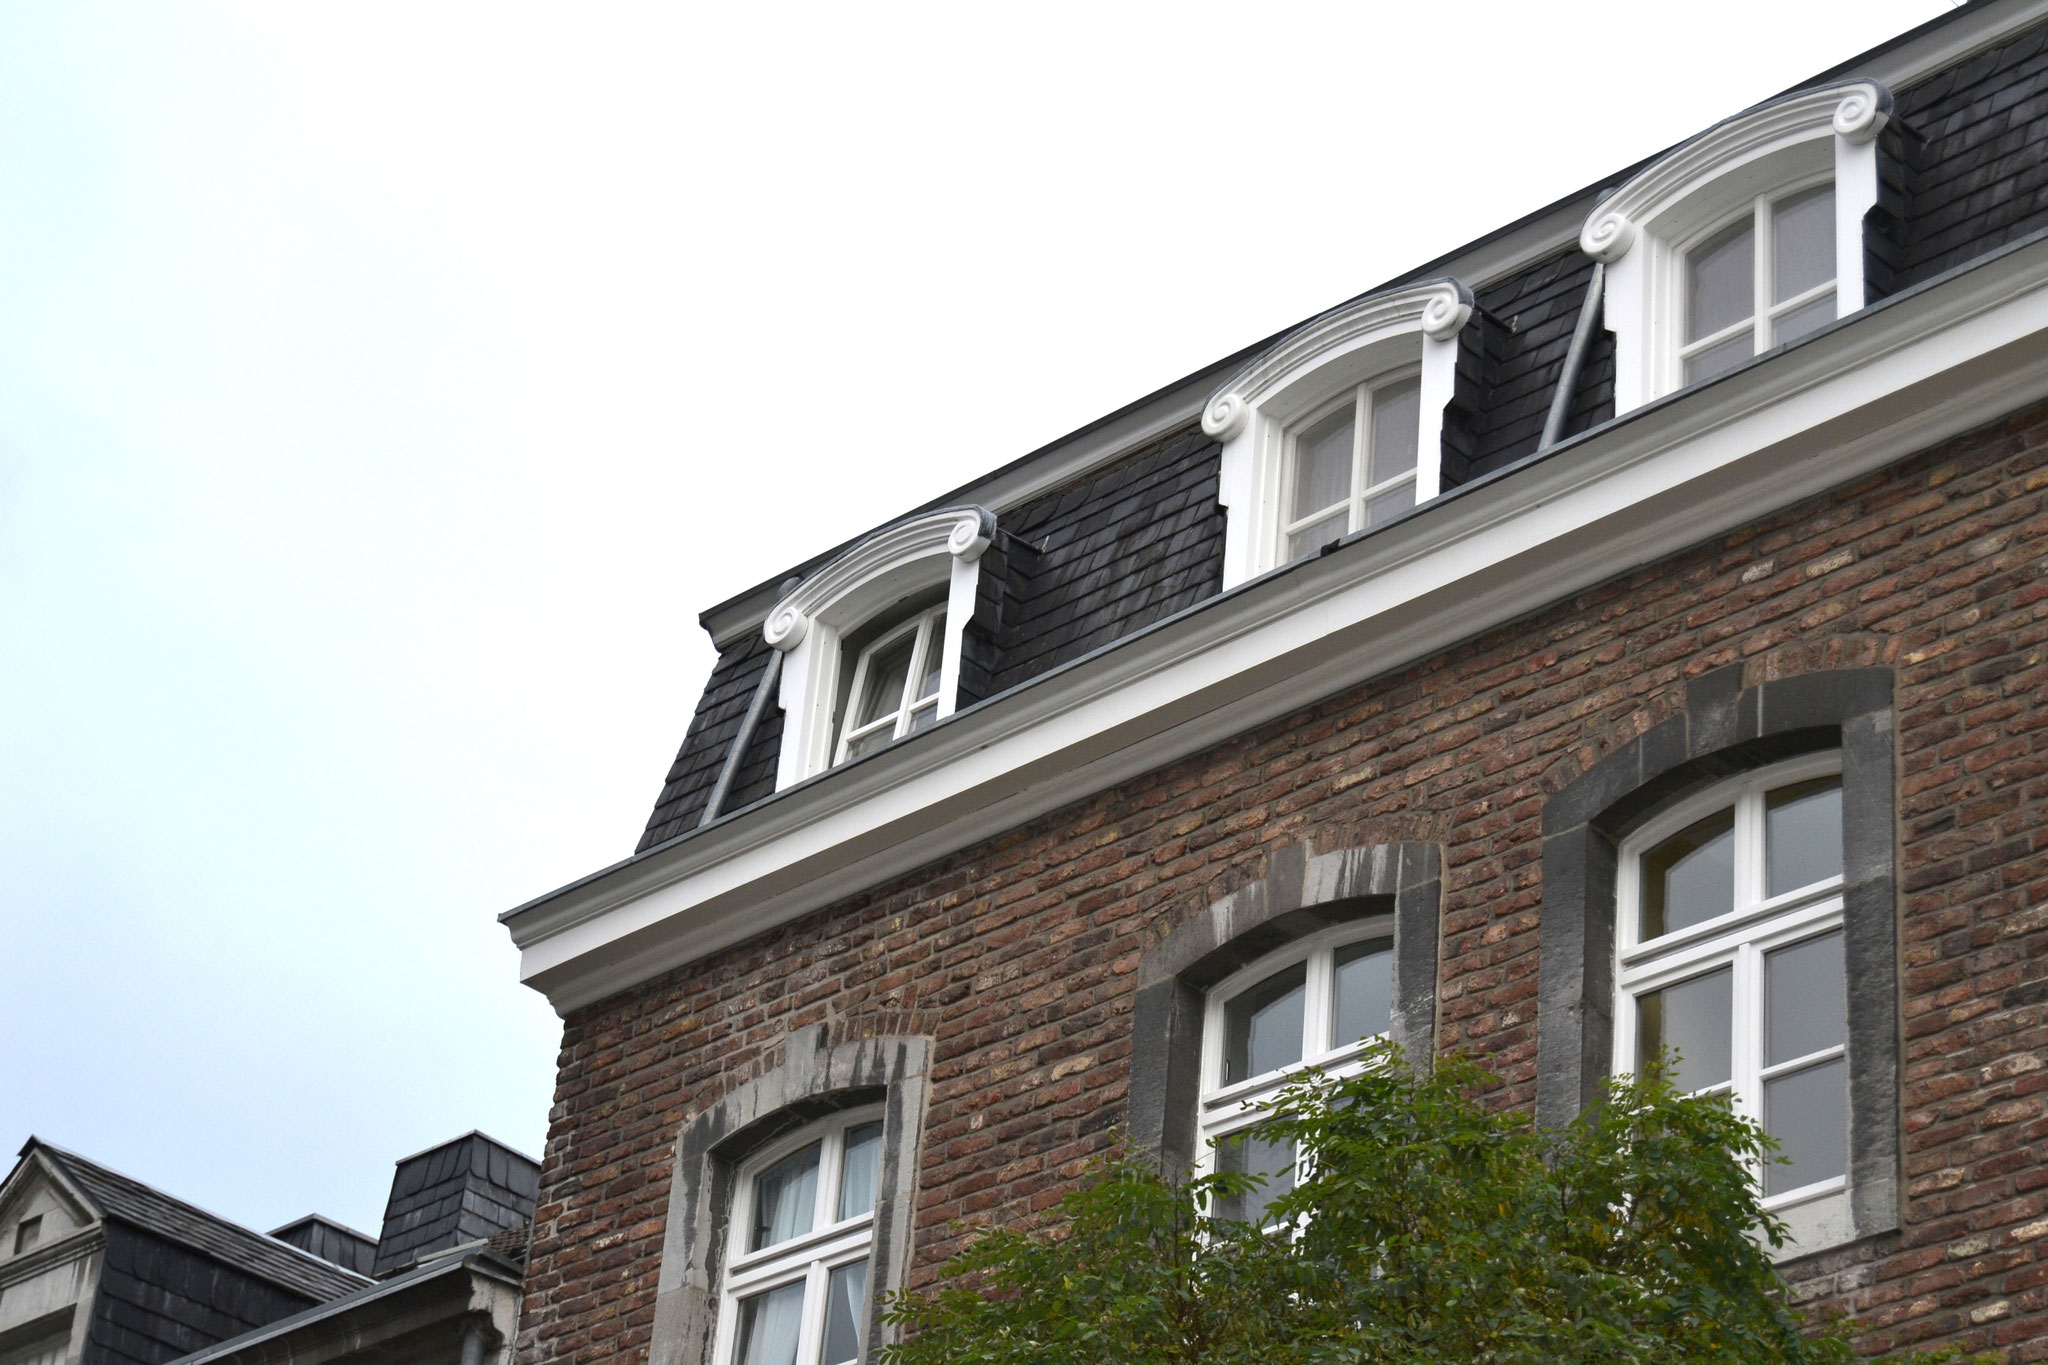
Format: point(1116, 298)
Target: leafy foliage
point(1428, 1229)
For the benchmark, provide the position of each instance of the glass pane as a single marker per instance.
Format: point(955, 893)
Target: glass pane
point(846, 1301)
point(785, 1199)
point(1322, 464)
point(1364, 1003)
point(1382, 508)
point(1690, 877)
point(1720, 280)
point(922, 717)
point(1262, 1025)
point(1802, 835)
point(857, 1172)
point(1396, 420)
point(1316, 535)
point(1696, 1020)
point(934, 656)
point(1806, 995)
point(1802, 242)
point(1253, 1154)
point(769, 1324)
point(1807, 317)
point(882, 690)
point(1719, 358)
point(1808, 1113)
point(868, 743)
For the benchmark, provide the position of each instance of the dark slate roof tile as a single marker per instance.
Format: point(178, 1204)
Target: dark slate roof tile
point(120, 1197)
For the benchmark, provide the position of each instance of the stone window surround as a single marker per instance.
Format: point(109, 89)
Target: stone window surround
point(817, 1078)
point(1725, 730)
point(1301, 894)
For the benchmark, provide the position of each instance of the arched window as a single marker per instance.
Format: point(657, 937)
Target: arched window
point(1338, 427)
point(802, 1234)
point(789, 1210)
point(1730, 954)
point(1317, 1002)
point(1743, 239)
point(1296, 969)
point(1725, 885)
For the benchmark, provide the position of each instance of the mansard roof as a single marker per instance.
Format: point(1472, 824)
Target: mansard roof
point(1128, 542)
point(1105, 642)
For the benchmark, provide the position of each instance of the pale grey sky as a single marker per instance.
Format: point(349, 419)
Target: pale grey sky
point(385, 387)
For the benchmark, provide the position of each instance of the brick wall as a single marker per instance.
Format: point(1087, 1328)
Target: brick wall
point(1017, 956)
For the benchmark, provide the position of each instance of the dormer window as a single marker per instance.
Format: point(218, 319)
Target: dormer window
point(1339, 427)
point(895, 689)
point(1353, 466)
point(871, 642)
point(1744, 239)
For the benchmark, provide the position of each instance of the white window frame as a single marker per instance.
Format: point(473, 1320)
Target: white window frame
point(930, 552)
point(1363, 400)
point(1818, 1213)
point(1640, 231)
point(1223, 1110)
point(1411, 330)
point(1763, 313)
point(928, 628)
point(809, 1258)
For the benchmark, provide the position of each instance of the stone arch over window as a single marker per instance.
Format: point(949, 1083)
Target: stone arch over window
point(1302, 894)
point(1727, 730)
point(817, 1079)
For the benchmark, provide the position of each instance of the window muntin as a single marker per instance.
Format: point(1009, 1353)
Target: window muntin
point(1352, 465)
point(1730, 952)
point(1760, 281)
point(1315, 1003)
point(796, 1283)
point(895, 685)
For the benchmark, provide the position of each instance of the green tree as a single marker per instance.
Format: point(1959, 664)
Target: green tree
point(1428, 1228)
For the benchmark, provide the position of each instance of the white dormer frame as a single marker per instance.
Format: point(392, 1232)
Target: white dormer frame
point(1381, 335)
point(1642, 231)
point(923, 554)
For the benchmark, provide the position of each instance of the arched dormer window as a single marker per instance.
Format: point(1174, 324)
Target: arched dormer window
point(871, 642)
point(1339, 427)
point(1746, 238)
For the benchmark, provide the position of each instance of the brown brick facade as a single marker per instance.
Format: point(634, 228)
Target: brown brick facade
point(1017, 957)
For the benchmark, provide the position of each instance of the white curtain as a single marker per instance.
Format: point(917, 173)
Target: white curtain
point(769, 1324)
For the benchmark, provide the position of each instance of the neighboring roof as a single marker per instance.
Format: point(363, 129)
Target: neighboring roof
point(464, 1190)
point(483, 1262)
point(125, 1199)
point(330, 1241)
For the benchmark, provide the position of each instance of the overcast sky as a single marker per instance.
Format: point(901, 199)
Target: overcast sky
point(385, 388)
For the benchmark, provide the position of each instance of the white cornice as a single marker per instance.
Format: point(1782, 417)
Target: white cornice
point(1856, 112)
point(962, 532)
point(1923, 366)
point(1434, 308)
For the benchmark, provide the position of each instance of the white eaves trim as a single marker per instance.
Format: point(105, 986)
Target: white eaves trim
point(1926, 365)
